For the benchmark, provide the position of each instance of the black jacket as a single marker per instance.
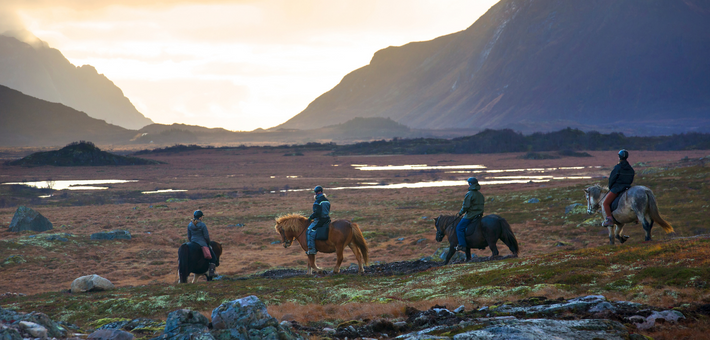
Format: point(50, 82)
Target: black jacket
point(321, 208)
point(621, 177)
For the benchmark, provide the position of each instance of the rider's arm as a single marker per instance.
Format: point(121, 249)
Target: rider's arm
point(466, 204)
point(189, 233)
point(613, 176)
point(206, 234)
point(316, 211)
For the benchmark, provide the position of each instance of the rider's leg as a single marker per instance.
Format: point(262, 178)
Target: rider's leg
point(610, 197)
point(311, 237)
point(213, 264)
point(461, 233)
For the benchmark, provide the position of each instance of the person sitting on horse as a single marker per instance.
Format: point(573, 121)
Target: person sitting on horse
point(620, 179)
point(320, 217)
point(197, 232)
point(472, 209)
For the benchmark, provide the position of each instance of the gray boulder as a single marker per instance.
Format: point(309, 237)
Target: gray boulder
point(112, 235)
point(247, 318)
point(110, 334)
point(33, 329)
point(91, 283)
point(573, 208)
point(533, 200)
point(185, 324)
point(28, 219)
point(544, 329)
point(9, 334)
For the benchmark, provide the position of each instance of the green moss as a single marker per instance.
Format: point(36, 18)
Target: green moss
point(675, 276)
point(105, 321)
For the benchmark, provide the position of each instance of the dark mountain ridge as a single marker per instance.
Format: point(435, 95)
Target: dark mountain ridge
point(43, 72)
point(628, 65)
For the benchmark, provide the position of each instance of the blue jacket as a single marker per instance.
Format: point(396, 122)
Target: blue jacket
point(321, 208)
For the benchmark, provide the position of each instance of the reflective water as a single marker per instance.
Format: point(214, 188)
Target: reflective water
point(72, 184)
point(365, 167)
point(162, 191)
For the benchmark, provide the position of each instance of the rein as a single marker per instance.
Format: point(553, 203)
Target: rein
point(447, 226)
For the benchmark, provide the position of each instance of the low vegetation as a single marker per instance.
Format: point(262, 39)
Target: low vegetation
point(79, 154)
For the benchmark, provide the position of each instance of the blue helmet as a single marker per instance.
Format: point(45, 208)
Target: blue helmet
point(198, 214)
point(623, 154)
point(472, 180)
point(318, 189)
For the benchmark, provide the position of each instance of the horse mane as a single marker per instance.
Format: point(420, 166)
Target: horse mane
point(292, 222)
point(447, 219)
point(596, 190)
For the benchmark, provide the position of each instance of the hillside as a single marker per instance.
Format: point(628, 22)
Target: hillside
point(28, 121)
point(634, 66)
point(43, 72)
point(79, 154)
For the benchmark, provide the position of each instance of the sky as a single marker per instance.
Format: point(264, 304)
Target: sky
point(236, 64)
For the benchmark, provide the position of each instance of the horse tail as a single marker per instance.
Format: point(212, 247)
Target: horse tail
point(508, 236)
point(655, 215)
point(183, 262)
point(360, 242)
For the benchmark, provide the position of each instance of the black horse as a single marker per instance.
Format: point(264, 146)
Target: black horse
point(191, 260)
point(489, 231)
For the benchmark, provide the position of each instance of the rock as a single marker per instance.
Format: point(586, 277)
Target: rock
point(421, 240)
point(13, 259)
point(572, 207)
point(542, 329)
point(247, 318)
point(533, 200)
point(9, 334)
point(33, 329)
point(460, 309)
point(458, 256)
point(650, 321)
point(286, 324)
point(91, 283)
point(329, 330)
point(603, 307)
point(400, 239)
point(276, 242)
point(110, 334)
point(112, 235)
point(27, 219)
point(185, 324)
point(580, 303)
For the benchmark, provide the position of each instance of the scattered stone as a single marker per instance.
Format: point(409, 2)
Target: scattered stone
point(11, 294)
point(460, 309)
point(57, 238)
point(421, 240)
point(33, 329)
point(573, 208)
point(27, 219)
point(247, 318)
point(400, 239)
point(534, 329)
point(9, 334)
point(286, 324)
point(650, 321)
point(236, 225)
point(13, 259)
point(329, 330)
point(185, 324)
point(112, 235)
point(91, 283)
point(581, 303)
point(533, 200)
point(276, 242)
point(110, 334)
point(603, 307)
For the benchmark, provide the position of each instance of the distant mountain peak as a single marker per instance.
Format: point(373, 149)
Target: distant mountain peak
point(26, 37)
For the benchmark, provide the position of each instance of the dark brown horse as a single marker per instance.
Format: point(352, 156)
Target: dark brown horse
point(191, 260)
point(342, 233)
point(491, 229)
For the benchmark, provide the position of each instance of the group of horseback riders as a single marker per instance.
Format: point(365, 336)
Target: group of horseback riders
point(620, 179)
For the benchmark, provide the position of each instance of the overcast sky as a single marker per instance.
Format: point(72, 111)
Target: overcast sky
point(237, 64)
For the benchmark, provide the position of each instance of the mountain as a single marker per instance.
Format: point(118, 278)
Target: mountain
point(28, 121)
point(37, 70)
point(636, 66)
point(79, 154)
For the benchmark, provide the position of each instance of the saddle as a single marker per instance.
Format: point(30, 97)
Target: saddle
point(196, 247)
point(321, 232)
point(615, 203)
point(473, 225)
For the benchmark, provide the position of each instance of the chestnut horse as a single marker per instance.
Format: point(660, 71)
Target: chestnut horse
point(342, 233)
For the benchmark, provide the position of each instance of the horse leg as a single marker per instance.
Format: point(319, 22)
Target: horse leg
point(618, 236)
point(647, 225)
point(339, 254)
point(450, 254)
point(468, 254)
point(311, 264)
point(358, 256)
point(611, 235)
point(492, 240)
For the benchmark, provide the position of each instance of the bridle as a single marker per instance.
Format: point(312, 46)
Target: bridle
point(441, 232)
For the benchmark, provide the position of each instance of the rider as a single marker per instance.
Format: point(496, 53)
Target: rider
point(320, 217)
point(197, 232)
point(473, 208)
point(620, 179)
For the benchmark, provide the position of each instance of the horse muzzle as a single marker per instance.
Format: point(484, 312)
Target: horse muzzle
point(439, 237)
point(287, 244)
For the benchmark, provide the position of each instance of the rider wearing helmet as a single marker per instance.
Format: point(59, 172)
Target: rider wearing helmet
point(620, 179)
point(320, 217)
point(472, 208)
point(197, 232)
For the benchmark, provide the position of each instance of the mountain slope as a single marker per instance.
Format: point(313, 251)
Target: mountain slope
point(43, 72)
point(28, 121)
point(539, 66)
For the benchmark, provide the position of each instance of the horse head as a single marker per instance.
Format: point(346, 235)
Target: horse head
point(592, 195)
point(288, 227)
point(440, 230)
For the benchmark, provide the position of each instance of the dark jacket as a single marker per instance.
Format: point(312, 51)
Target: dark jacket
point(621, 177)
point(321, 208)
point(472, 202)
point(198, 233)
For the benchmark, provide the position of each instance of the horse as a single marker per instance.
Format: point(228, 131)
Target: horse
point(191, 260)
point(489, 231)
point(342, 233)
point(636, 204)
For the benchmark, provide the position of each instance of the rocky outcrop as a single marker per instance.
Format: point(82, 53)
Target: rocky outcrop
point(28, 325)
point(110, 334)
point(185, 324)
point(247, 318)
point(91, 283)
point(27, 219)
point(112, 235)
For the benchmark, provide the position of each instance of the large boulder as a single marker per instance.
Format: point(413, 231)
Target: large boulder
point(185, 324)
point(112, 235)
point(91, 283)
point(110, 334)
point(27, 219)
point(52, 329)
point(247, 318)
point(543, 329)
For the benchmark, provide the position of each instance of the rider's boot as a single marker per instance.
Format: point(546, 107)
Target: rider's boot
point(608, 222)
point(460, 248)
point(211, 272)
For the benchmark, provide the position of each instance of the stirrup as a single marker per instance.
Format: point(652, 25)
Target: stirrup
point(609, 222)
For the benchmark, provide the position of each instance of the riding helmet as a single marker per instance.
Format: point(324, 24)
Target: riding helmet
point(472, 180)
point(318, 189)
point(198, 214)
point(623, 154)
